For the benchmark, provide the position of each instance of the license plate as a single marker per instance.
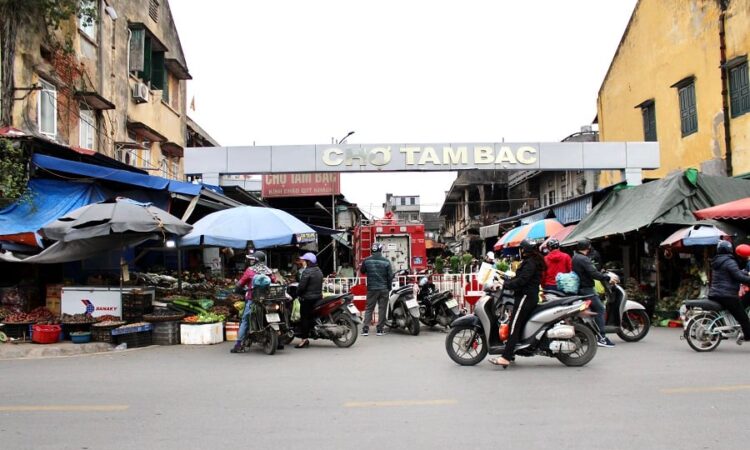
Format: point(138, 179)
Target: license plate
point(452, 303)
point(272, 318)
point(411, 304)
point(352, 309)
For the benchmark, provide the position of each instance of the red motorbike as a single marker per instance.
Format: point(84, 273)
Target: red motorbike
point(336, 319)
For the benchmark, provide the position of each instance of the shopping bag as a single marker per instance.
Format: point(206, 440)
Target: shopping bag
point(296, 311)
point(599, 288)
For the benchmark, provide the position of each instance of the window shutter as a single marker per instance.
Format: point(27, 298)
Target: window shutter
point(137, 47)
point(739, 90)
point(165, 91)
point(145, 74)
point(157, 70)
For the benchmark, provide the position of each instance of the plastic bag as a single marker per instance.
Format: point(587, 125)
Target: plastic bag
point(296, 311)
point(568, 282)
point(599, 288)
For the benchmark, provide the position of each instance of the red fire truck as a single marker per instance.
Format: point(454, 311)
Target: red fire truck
point(403, 243)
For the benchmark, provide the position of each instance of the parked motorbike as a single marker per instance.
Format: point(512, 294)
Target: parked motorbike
point(625, 317)
point(435, 307)
point(707, 323)
point(268, 319)
point(336, 319)
point(403, 309)
point(553, 330)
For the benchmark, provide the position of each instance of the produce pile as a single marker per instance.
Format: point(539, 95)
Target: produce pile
point(4, 312)
point(221, 311)
point(190, 306)
point(109, 323)
point(633, 289)
point(71, 319)
point(692, 287)
point(163, 315)
point(133, 325)
point(192, 283)
point(204, 318)
point(108, 318)
point(40, 315)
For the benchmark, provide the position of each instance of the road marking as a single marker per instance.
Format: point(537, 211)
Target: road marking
point(706, 389)
point(399, 403)
point(63, 408)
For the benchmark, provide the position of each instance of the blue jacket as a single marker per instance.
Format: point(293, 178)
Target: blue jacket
point(379, 273)
point(726, 277)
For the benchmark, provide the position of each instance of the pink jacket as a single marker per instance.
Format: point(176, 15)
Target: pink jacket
point(247, 281)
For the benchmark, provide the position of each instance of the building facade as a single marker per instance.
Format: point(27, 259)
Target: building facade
point(113, 81)
point(680, 77)
point(403, 207)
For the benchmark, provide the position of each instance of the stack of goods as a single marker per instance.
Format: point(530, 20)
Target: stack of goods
point(193, 284)
point(166, 333)
point(53, 298)
point(135, 304)
point(133, 335)
point(76, 322)
point(102, 331)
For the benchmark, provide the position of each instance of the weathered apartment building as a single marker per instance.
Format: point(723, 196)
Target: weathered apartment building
point(680, 77)
point(109, 77)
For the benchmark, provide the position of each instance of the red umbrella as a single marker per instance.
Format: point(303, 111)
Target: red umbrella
point(738, 209)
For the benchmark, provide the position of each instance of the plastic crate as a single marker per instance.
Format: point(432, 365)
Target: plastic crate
point(134, 340)
point(132, 330)
point(166, 333)
point(135, 300)
point(103, 333)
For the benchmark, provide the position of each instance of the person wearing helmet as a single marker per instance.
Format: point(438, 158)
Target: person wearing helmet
point(379, 274)
point(256, 265)
point(584, 267)
point(726, 278)
point(309, 291)
point(557, 262)
point(525, 286)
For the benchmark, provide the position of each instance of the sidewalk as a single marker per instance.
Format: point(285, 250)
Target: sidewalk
point(18, 351)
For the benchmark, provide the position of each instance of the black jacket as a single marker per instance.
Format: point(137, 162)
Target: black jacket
point(584, 268)
point(379, 273)
point(527, 280)
point(311, 284)
point(726, 277)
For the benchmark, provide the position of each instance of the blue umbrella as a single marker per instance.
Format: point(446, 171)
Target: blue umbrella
point(236, 227)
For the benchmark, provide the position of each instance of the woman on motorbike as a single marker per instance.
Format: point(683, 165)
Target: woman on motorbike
point(525, 286)
point(726, 277)
point(309, 291)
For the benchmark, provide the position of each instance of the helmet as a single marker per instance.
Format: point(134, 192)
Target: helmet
point(251, 258)
point(377, 247)
point(743, 250)
point(261, 257)
point(527, 246)
point(261, 280)
point(309, 257)
point(583, 244)
point(724, 248)
point(553, 244)
point(423, 281)
point(491, 256)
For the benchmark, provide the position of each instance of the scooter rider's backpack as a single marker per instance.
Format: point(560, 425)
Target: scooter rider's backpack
point(568, 282)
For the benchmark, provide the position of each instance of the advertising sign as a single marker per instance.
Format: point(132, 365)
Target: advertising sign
point(93, 301)
point(301, 185)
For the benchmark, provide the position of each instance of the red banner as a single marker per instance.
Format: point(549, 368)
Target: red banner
point(301, 184)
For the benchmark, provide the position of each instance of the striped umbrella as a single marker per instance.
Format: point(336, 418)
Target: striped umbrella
point(534, 231)
point(694, 236)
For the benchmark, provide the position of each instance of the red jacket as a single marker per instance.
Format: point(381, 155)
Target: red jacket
point(557, 262)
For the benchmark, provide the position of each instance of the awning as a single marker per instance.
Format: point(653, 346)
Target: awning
point(489, 231)
point(337, 235)
point(535, 217)
point(738, 209)
point(574, 211)
point(93, 101)
point(61, 252)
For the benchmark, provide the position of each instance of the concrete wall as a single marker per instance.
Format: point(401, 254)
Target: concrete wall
point(667, 41)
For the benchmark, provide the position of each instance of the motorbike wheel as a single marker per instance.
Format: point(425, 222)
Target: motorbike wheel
point(585, 340)
point(350, 337)
point(699, 333)
point(272, 341)
point(634, 326)
point(466, 346)
point(413, 326)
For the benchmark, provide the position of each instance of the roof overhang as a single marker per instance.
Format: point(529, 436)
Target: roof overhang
point(93, 101)
point(177, 69)
point(172, 149)
point(146, 131)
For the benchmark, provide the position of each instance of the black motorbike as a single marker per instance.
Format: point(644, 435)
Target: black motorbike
point(436, 308)
point(268, 319)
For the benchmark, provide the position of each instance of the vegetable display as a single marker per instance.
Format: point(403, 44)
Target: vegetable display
point(204, 318)
point(77, 318)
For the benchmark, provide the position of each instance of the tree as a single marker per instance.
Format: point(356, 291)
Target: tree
point(15, 17)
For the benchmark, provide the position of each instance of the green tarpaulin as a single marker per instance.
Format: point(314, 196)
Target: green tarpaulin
point(670, 200)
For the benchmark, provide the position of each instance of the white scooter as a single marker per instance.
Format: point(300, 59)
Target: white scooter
point(403, 309)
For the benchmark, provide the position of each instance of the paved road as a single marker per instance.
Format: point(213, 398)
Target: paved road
point(392, 392)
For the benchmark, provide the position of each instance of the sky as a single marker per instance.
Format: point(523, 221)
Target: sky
point(406, 71)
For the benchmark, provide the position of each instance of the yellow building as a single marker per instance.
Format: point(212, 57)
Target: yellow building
point(680, 76)
point(115, 84)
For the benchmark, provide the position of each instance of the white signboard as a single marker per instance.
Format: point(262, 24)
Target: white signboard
point(94, 301)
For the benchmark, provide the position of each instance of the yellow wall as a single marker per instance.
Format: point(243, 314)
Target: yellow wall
point(667, 41)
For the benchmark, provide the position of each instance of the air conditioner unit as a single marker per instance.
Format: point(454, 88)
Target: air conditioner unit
point(140, 93)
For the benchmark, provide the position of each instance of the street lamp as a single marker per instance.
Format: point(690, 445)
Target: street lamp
point(343, 139)
point(333, 220)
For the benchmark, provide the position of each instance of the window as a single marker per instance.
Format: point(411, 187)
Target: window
point(739, 90)
point(174, 164)
point(147, 59)
point(87, 129)
point(47, 109)
point(413, 200)
point(648, 110)
point(153, 10)
point(688, 111)
point(551, 197)
point(146, 158)
point(403, 201)
point(88, 24)
point(171, 92)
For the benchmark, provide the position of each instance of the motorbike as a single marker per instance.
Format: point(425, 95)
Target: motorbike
point(553, 330)
point(625, 317)
point(402, 310)
point(436, 307)
point(336, 319)
point(267, 320)
point(707, 323)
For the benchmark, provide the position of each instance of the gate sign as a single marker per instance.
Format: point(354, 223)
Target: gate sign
point(301, 185)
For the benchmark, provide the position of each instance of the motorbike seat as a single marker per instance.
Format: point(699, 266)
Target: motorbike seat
point(555, 292)
point(557, 302)
point(709, 305)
